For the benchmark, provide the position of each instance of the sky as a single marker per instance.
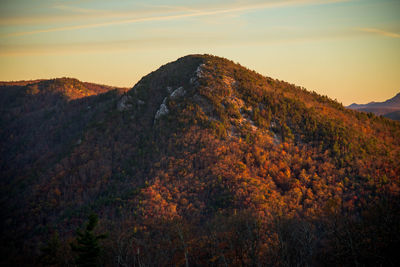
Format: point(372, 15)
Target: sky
point(348, 50)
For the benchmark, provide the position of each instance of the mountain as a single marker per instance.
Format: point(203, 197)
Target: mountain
point(202, 162)
point(395, 115)
point(41, 118)
point(389, 108)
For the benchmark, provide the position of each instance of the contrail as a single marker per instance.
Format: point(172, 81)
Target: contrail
point(180, 16)
point(381, 32)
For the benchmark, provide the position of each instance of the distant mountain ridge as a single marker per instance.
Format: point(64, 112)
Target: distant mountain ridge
point(389, 108)
point(70, 88)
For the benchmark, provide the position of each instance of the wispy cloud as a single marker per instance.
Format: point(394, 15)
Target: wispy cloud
point(380, 32)
point(71, 14)
point(75, 9)
point(186, 13)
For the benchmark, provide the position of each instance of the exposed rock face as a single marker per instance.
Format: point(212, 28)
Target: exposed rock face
point(199, 70)
point(198, 74)
point(179, 92)
point(124, 103)
point(163, 110)
point(127, 102)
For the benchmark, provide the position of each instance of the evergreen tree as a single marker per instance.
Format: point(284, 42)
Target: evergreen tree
point(51, 252)
point(87, 245)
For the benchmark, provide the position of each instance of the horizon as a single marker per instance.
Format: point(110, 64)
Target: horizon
point(130, 87)
point(345, 49)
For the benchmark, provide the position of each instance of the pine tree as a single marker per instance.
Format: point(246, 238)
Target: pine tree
point(51, 252)
point(87, 245)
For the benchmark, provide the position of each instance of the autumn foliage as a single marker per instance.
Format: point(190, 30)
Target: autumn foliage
point(241, 170)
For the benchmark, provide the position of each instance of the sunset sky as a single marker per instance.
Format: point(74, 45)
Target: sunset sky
point(346, 49)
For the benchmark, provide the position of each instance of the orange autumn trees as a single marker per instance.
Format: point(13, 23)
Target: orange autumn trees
point(202, 162)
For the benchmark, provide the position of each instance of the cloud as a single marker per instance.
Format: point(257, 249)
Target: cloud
point(75, 9)
point(121, 18)
point(71, 14)
point(380, 32)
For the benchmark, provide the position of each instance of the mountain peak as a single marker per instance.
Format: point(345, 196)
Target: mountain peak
point(200, 147)
point(63, 88)
point(390, 106)
point(395, 99)
point(211, 83)
point(220, 93)
point(70, 88)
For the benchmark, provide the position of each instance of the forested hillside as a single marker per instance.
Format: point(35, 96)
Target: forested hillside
point(203, 162)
